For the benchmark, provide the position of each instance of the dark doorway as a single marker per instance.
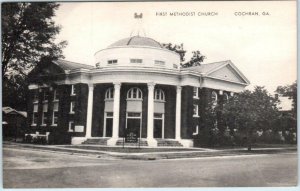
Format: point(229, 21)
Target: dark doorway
point(158, 128)
point(133, 125)
point(109, 124)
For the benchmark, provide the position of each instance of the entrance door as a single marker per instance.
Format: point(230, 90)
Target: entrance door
point(133, 123)
point(157, 128)
point(158, 131)
point(108, 124)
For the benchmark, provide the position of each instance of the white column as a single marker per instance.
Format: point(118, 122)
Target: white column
point(150, 111)
point(89, 112)
point(116, 116)
point(178, 113)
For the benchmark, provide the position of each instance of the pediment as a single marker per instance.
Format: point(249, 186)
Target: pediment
point(45, 71)
point(228, 72)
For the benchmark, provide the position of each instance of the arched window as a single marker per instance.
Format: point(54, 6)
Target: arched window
point(134, 93)
point(214, 98)
point(159, 95)
point(225, 97)
point(109, 94)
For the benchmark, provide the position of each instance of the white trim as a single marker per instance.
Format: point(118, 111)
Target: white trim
point(215, 101)
point(34, 124)
point(104, 123)
point(137, 46)
point(138, 92)
point(73, 93)
point(197, 130)
point(225, 80)
point(54, 124)
point(71, 107)
point(233, 67)
point(70, 126)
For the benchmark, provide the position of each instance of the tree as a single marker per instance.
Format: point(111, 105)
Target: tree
point(196, 59)
point(28, 34)
point(252, 111)
point(291, 92)
point(288, 119)
point(176, 48)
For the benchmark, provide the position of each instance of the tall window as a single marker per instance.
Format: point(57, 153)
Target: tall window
point(195, 93)
point(109, 94)
point(34, 118)
point(195, 111)
point(44, 114)
point(55, 114)
point(36, 96)
point(35, 114)
point(73, 90)
point(159, 95)
point(72, 107)
point(46, 95)
point(55, 95)
point(214, 98)
point(136, 61)
point(134, 93)
point(112, 61)
point(44, 118)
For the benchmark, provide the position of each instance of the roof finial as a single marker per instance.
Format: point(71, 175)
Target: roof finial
point(138, 26)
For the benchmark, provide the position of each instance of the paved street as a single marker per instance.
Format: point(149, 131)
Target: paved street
point(36, 169)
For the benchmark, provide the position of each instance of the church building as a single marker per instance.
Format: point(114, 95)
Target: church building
point(136, 90)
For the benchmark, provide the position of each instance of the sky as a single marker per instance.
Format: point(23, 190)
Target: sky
point(262, 46)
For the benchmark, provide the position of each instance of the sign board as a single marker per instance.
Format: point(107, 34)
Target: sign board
point(79, 128)
point(131, 137)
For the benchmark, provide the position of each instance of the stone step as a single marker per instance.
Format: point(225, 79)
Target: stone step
point(100, 141)
point(168, 143)
point(142, 143)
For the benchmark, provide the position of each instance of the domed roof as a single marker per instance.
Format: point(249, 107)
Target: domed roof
point(137, 41)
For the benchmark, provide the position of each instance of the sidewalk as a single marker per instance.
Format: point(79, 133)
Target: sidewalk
point(159, 153)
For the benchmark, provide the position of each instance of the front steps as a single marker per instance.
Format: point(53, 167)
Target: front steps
point(142, 143)
point(160, 142)
point(96, 141)
point(168, 143)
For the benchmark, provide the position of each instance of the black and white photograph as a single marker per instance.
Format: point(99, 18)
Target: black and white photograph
point(168, 94)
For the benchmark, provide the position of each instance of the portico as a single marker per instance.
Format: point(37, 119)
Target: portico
point(145, 106)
